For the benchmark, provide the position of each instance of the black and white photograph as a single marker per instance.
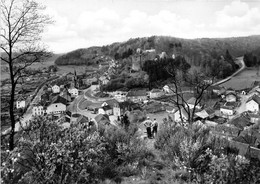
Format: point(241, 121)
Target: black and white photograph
point(130, 91)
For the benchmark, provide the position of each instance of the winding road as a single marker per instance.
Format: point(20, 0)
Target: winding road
point(240, 60)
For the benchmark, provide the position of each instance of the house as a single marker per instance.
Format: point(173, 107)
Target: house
point(156, 93)
point(191, 103)
point(89, 81)
point(57, 106)
point(74, 92)
point(105, 110)
point(55, 89)
point(20, 102)
point(206, 113)
point(102, 121)
point(167, 89)
point(95, 86)
point(107, 107)
point(138, 95)
point(242, 122)
point(38, 110)
point(66, 95)
point(253, 103)
point(178, 114)
point(103, 80)
point(227, 110)
point(120, 96)
point(122, 107)
point(231, 96)
point(70, 76)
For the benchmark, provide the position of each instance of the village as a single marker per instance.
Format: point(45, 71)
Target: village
point(73, 99)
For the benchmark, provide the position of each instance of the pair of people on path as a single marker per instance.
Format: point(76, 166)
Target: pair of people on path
point(151, 127)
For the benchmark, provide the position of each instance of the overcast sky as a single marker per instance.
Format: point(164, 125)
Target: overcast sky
point(85, 23)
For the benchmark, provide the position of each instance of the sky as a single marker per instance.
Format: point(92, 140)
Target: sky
point(85, 23)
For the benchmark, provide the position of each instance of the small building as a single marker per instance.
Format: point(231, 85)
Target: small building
point(105, 110)
point(55, 89)
point(57, 106)
point(103, 80)
point(89, 81)
point(138, 95)
point(191, 103)
point(102, 121)
point(120, 96)
point(70, 76)
point(227, 110)
point(38, 110)
point(74, 92)
point(242, 122)
point(156, 93)
point(231, 96)
point(167, 89)
point(180, 115)
point(253, 104)
point(206, 113)
point(20, 102)
point(95, 86)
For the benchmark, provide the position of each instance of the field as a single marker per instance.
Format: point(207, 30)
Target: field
point(243, 80)
point(61, 69)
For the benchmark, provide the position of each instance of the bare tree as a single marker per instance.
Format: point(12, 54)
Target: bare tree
point(198, 86)
point(22, 22)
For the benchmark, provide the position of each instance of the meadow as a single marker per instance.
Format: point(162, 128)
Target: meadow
point(243, 80)
point(61, 69)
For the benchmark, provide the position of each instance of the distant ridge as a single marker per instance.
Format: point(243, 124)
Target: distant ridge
point(193, 49)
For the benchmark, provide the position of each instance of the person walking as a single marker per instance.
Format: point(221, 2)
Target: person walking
point(148, 125)
point(155, 127)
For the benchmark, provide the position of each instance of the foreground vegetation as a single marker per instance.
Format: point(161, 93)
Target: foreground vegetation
point(47, 153)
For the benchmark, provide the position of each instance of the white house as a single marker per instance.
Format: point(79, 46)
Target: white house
point(74, 92)
point(191, 103)
point(253, 104)
point(227, 111)
point(156, 93)
point(177, 115)
point(95, 86)
point(57, 106)
point(231, 97)
point(20, 103)
point(55, 89)
point(38, 110)
point(120, 96)
point(168, 90)
point(105, 110)
point(104, 80)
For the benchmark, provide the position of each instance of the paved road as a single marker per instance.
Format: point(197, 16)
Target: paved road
point(28, 114)
point(240, 60)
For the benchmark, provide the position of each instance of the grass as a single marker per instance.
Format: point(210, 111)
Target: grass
point(243, 80)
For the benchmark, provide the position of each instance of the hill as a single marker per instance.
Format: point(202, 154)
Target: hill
point(194, 50)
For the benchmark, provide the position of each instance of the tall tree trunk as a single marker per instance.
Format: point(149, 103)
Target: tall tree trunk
point(11, 109)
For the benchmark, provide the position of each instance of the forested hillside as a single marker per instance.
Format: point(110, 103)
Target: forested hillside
point(196, 51)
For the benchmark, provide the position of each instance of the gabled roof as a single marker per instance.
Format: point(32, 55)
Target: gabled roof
point(241, 122)
point(59, 99)
point(231, 93)
point(256, 98)
point(82, 119)
point(156, 91)
point(140, 92)
point(107, 107)
point(192, 101)
point(111, 102)
point(20, 98)
point(102, 118)
point(247, 139)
